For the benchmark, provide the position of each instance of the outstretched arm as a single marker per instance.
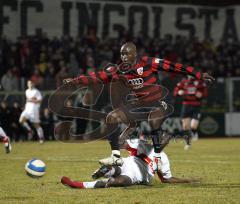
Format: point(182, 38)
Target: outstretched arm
point(177, 180)
point(104, 76)
point(166, 65)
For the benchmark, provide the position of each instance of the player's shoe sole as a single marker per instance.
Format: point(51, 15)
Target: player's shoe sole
point(112, 160)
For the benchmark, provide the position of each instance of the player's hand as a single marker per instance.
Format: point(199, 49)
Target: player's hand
point(207, 77)
point(65, 81)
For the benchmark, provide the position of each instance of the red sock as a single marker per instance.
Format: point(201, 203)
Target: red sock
point(74, 184)
point(77, 184)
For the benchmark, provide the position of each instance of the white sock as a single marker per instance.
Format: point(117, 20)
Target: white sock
point(109, 173)
point(117, 152)
point(25, 124)
point(90, 184)
point(40, 133)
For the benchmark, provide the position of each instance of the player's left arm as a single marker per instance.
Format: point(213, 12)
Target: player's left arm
point(166, 65)
point(174, 180)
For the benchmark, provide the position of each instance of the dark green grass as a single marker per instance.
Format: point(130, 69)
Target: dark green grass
point(215, 161)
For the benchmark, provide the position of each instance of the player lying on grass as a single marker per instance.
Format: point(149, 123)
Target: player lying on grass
point(6, 141)
point(138, 168)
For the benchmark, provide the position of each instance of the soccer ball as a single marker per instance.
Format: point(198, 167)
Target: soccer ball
point(35, 168)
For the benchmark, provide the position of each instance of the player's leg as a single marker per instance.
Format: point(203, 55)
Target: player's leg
point(119, 181)
point(160, 140)
point(107, 172)
point(6, 141)
point(23, 121)
point(194, 127)
point(83, 184)
point(195, 122)
point(186, 121)
point(114, 117)
point(110, 172)
point(36, 122)
point(186, 132)
point(39, 132)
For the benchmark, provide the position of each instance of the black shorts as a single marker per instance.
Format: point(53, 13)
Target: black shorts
point(189, 111)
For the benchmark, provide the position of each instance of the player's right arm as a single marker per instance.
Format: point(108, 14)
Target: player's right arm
point(104, 76)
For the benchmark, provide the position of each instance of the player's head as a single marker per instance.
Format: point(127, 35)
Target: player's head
point(128, 53)
point(30, 84)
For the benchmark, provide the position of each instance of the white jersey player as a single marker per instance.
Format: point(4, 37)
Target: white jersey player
point(138, 168)
point(31, 111)
point(6, 141)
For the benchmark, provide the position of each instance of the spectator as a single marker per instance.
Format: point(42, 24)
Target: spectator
point(47, 123)
point(62, 74)
point(9, 81)
point(17, 130)
point(5, 118)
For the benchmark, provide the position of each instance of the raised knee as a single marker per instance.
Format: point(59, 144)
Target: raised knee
point(111, 119)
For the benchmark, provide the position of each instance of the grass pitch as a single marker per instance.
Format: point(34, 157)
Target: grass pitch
point(215, 161)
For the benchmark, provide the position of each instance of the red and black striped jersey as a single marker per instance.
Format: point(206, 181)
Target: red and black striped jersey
point(142, 77)
point(191, 88)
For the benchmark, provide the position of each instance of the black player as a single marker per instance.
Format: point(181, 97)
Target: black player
point(140, 75)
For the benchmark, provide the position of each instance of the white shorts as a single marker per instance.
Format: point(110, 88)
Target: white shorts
point(137, 170)
point(2, 133)
point(31, 116)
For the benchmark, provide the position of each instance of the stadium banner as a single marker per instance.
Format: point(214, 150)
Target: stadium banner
point(211, 125)
point(232, 124)
point(110, 19)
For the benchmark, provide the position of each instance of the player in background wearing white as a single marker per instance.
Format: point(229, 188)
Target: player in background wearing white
point(138, 168)
point(6, 141)
point(31, 111)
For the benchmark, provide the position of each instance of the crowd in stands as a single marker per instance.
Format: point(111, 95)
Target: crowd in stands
point(43, 58)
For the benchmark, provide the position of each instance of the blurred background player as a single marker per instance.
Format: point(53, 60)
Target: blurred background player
point(192, 91)
point(6, 141)
point(138, 168)
point(31, 111)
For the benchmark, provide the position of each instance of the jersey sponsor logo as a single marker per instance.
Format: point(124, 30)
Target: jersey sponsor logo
point(191, 90)
point(140, 71)
point(136, 83)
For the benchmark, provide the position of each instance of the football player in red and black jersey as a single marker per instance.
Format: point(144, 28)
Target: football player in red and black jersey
point(140, 74)
point(192, 91)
